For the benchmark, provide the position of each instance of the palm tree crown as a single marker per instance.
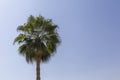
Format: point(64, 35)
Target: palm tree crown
point(38, 36)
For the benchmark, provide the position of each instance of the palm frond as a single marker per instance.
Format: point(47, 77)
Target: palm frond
point(20, 38)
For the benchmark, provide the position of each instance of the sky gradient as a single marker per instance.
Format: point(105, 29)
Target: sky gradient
point(90, 34)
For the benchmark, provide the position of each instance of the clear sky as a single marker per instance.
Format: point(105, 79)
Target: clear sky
point(90, 33)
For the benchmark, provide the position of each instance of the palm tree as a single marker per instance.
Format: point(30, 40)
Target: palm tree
point(38, 40)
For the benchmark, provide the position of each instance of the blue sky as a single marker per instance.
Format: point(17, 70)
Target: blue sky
point(90, 33)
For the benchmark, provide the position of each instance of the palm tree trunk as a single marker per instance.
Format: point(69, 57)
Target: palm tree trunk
point(38, 67)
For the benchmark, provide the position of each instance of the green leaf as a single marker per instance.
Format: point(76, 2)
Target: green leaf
point(19, 38)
